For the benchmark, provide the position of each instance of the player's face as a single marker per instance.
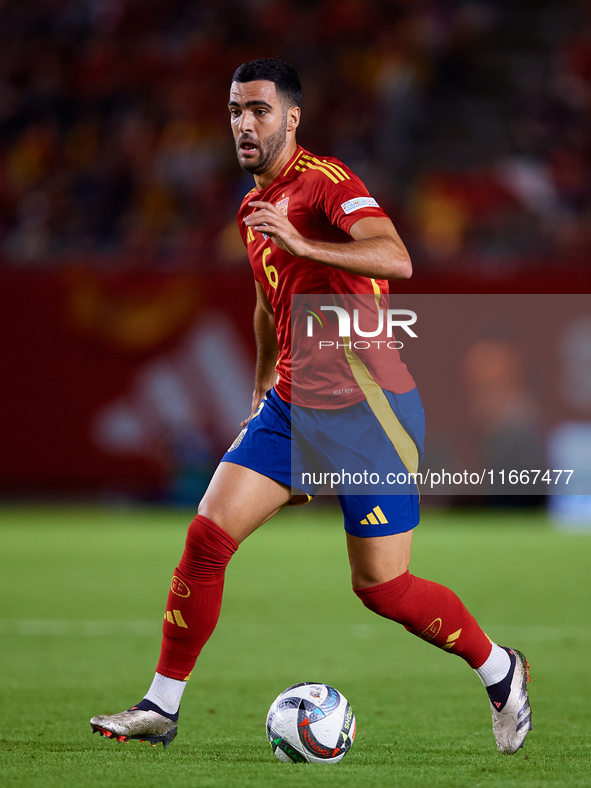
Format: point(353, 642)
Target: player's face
point(259, 123)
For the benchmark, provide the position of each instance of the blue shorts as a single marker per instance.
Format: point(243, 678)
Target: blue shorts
point(348, 451)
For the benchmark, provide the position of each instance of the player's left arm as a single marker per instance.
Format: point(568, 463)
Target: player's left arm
point(376, 250)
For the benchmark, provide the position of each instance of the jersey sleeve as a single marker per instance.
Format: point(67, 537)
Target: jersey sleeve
point(344, 198)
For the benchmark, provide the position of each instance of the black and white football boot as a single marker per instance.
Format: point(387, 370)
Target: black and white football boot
point(509, 705)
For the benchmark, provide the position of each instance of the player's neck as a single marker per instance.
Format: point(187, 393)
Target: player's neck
point(265, 178)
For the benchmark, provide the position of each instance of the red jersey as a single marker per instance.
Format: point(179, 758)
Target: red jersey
point(323, 199)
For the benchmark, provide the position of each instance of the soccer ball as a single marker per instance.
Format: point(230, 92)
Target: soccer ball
point(310, 723)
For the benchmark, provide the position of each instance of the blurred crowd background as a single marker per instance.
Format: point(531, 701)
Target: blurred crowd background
point(125, 294)
point(469, 119)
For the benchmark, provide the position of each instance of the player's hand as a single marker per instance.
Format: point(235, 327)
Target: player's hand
point(266, 218)
point(252, 412)
point(257, 398)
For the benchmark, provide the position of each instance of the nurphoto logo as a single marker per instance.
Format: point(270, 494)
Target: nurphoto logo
point(394, 318)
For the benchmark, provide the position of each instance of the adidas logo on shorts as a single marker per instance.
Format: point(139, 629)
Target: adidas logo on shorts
point(375, 517)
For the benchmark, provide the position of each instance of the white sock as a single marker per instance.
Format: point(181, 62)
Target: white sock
point(496, 666)
point(166, 693)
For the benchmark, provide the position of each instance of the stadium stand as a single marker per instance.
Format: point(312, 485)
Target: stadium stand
point(469, 120)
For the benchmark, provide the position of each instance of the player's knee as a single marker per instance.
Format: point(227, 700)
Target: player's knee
point(213, 509)
point(383, 598)
point(208, 545)
point(364, 576)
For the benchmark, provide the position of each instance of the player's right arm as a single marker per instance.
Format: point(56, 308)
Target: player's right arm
point(267, 348)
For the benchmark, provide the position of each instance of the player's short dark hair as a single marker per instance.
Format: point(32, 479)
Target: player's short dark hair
point(285, 77)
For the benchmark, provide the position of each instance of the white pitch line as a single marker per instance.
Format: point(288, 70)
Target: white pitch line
point(538, 632)
point(73, 627)
point(60, 628)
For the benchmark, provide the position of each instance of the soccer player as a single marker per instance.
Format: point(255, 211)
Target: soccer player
point(311, 227)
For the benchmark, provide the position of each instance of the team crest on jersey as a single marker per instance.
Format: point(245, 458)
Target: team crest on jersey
point(282, 206)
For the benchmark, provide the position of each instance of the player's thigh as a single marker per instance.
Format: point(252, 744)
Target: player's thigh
point(239, 499)
point(378, 559)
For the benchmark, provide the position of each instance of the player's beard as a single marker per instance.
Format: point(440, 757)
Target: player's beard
point(269, 151)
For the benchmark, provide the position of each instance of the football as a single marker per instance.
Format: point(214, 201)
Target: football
point(310, 723)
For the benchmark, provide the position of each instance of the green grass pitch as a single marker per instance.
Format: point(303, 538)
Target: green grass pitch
point(84, 590)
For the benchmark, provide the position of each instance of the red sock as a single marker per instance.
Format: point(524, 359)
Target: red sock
point(195, 597)
point(432, 612)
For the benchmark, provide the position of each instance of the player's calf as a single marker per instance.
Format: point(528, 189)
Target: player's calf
point(430, 611)
point(195, 597)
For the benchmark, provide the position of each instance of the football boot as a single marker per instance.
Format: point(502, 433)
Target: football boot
point(144, 724)
point(509, 705)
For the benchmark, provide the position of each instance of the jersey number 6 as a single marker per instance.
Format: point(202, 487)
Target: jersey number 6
point(270, 270)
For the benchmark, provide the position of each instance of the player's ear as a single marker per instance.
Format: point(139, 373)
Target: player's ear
point(293, 118)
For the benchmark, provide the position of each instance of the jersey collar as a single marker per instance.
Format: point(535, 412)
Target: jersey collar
point(287, 173)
